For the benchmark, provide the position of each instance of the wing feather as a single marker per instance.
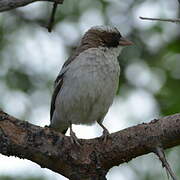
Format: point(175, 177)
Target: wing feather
point(58, 85)
point(59, 80)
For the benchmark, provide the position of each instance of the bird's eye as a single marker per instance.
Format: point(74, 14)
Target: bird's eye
point(114, 40)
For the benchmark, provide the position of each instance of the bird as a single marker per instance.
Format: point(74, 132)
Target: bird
point(87, 83)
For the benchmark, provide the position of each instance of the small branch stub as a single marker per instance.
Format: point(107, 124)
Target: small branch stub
point(51, 20)
point(52, 17)
point(160, 153)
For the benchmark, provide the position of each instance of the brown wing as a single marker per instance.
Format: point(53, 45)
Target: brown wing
point(58, 85)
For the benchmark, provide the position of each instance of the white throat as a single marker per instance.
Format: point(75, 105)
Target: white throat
point(114, 52)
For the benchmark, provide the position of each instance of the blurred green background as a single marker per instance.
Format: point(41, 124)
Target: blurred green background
point(30, 59)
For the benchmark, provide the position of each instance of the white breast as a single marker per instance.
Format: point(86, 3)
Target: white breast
point(89, 86)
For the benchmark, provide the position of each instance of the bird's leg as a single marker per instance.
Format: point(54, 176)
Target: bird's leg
point(105, 131)
point(74, 139)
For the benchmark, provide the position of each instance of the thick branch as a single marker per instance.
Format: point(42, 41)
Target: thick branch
point(6, 5)
point(55, 151)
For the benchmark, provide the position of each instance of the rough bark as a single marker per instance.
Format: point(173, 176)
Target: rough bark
point(94, 158)
point(6, 5)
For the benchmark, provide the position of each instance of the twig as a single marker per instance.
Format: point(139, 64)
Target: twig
point(161, 19)
point(160, 153)
point(51, 20)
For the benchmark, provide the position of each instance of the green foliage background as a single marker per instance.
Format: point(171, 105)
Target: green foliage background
point(152, 65)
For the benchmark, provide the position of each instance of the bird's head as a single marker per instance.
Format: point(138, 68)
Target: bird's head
point(104, 36)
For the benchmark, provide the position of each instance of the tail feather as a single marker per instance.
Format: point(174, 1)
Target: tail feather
point(63, 132)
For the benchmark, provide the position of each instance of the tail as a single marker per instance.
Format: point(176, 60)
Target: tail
point(58, 130)
point(57, 124)
point(64, 132)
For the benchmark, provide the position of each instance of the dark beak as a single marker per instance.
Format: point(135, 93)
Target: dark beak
point(125, 42)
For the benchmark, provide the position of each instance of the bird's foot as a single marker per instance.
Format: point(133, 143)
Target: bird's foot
point(105, 132)
point(105, 135)
point(74, 138)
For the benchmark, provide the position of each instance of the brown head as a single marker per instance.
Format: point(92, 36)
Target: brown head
point(99, 36)
point(103, 36)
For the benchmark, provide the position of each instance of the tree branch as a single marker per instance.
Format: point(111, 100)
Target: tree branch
point(161, 19)
point(94, 158)
point(6, 5)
